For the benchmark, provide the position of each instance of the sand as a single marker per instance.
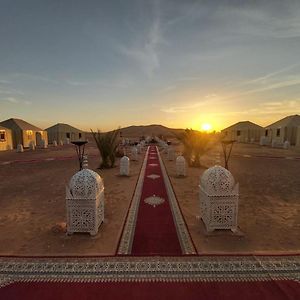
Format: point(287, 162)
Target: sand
point(33, 213)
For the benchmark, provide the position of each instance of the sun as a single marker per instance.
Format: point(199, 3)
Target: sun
point(206, 127)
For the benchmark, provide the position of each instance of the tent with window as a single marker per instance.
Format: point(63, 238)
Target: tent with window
point(62, 132)
point(24, 133)
point(244, 131)
point(5, 139)
point(286, 129)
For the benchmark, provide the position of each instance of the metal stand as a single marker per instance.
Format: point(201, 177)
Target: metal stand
point(227, 148)
point(79, 147)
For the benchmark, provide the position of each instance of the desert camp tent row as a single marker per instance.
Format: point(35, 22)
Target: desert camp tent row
point(62, 132)
point(286, 129)
point(16, 131)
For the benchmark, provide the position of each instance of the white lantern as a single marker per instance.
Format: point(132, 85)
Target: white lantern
point(134, 153)
point(139, 148)
point(171, 153)
point(44, 144)
point(20, 148)
point(286, 145)
point(61, 143)
point(67, 141)
point(54, 143)
point(85, 202)
point(180, 166)
point(124, 166)
point(32, 145)
point(219, 196)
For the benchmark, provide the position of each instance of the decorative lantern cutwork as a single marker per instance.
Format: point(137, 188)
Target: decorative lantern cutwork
point(124, 166)
point(180, 166)
point(85, 202)
point(218, 199)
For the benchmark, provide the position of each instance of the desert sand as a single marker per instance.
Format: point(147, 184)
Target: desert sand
point(33, 213)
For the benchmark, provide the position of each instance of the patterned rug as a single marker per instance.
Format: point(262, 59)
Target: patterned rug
point(184, 277)
point(155, 225)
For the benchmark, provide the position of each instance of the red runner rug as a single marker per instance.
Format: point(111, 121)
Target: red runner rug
point(155, 225)
point(268, 290)
point(129, 277)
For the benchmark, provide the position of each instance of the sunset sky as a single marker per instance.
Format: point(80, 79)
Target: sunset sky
point(104, 64)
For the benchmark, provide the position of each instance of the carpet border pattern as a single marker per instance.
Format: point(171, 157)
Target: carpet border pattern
point(153, 269)
point(184, 237)
point(126, 240)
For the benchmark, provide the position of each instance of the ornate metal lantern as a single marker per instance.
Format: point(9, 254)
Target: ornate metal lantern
point(85, 202)
point(219, 196)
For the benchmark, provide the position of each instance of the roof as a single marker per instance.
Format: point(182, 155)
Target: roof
point(293, 120)
point(21, 124)
point(4, 128)
point(243, 125)
point(63, 127)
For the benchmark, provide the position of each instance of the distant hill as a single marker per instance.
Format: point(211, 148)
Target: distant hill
point(148, 130)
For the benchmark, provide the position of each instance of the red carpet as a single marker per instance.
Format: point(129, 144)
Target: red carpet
point(268, 290)
point(154, 225)
point(155, 232)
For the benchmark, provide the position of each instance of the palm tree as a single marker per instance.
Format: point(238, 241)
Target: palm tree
point(107, 144)
point(195, 144)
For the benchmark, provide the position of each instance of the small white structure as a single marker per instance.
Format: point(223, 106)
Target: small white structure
point(139, 148)
point(20, 148)
point(180, 166)
point(44, 144)
point(134, 153)
point(67, 141)
point(263, 141)
point(85, 202)
point(171, 153)
point(124, 166)
point(218, 199)
point(61, 143)
point(286, 145)
point(54, 143)
point(32, 145)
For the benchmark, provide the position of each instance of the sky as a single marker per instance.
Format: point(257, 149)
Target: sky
point(104, 64)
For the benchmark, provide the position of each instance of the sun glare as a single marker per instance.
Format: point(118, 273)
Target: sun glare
point(206, 127)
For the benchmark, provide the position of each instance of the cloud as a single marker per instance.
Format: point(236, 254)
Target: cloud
point(184, 108)
point(10, 99)
point(146, 53)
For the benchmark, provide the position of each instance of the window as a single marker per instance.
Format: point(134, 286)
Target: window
point(2, 136)
point(238, 132)
point(278, 132)
point(29, 134)
point(80, 135)
point(266, 132)
point(68, 135)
